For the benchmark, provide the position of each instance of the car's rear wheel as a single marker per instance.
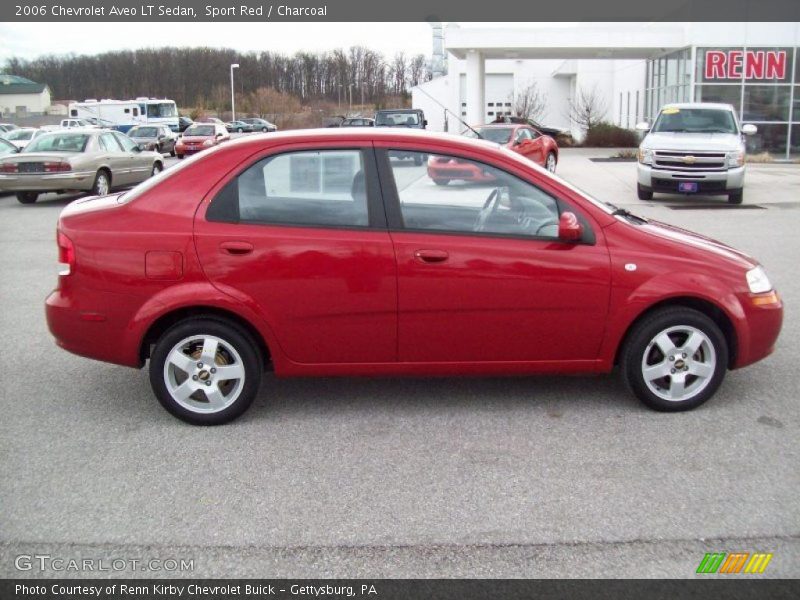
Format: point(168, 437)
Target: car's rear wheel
point(736, 197)
point(157, 168)
point(205, 371)
point(27, 197)
point(264, 129)
point(550, 162)
point(417, 159)
point(674, 359)
point(102, 184)
point(441, 181)
point(643, 193)
point(240, 130)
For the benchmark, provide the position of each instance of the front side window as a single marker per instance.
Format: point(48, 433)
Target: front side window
point(315, 188)
point(449, 193)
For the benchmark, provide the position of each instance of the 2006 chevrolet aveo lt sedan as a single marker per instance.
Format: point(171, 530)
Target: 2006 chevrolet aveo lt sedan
point(326, 253)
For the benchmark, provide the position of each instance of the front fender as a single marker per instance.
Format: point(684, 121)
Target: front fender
point(628, 304)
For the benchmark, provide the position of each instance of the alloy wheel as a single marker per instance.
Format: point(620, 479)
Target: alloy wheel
point(678, 363)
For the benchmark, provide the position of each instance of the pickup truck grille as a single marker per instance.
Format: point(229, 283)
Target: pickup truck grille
point(689, 161)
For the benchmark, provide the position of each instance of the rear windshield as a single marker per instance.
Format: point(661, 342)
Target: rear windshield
point(59, 142)
point(202, 130)
point(19, 134)
point(498, 135)
point(394, 119)
point(695, 120)
point(144, 132)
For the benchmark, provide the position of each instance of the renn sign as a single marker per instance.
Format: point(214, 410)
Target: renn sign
point(750, 64)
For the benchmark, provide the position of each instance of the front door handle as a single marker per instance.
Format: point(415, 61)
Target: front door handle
point(431, 256)
point(236, 248)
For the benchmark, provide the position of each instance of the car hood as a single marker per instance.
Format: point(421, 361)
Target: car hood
point(700, 142)
point(684, 237)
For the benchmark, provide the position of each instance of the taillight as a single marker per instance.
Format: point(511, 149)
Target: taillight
point(57, 167)
point(9, 168)
point(66, 253)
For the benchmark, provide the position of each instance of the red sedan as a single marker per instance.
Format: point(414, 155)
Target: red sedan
point(199, 137)
point(524, 140)
point(323, 253)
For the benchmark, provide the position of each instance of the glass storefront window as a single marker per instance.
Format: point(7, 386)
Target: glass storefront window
point(727, 94)
point(796, 104)
point(795, 147)
point(769, 138)
point(766, 103)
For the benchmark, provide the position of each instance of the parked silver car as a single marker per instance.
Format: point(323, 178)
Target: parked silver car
point(89, 160)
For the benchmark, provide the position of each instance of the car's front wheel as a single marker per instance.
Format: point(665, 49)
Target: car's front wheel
point(157, 168)
point(643, 193)
point(736, 197)
point(674, 359)
point(550, 162)
point(27, 197)
point(205, 371)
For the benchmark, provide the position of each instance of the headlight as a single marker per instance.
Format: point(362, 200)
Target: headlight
point(735, 158)
point(757, 281)
point(645, 156)
point(208, 143)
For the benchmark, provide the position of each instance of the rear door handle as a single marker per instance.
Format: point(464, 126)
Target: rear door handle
point(431, 256)
point(236, 248)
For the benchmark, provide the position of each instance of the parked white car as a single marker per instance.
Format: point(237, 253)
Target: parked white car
point(693, 148)
point(22, 136)
point(79, 123)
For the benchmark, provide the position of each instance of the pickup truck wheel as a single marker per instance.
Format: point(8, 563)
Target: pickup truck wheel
point(674, 359)
point(27, 197)
point(643, 192)
point(736, 197)
point(417, 159)
point(205, 371)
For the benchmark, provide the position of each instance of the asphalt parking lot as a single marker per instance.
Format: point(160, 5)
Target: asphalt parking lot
point(489, 477)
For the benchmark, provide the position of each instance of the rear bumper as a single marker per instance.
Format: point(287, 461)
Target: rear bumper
point(97, 331)
point(45, 182)
point(708, 182)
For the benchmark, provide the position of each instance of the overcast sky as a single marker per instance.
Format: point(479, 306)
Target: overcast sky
point(29, 40)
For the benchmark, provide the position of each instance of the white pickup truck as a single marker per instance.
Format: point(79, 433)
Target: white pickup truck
point(693, 148)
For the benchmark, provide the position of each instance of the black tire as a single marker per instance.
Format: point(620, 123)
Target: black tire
point(157, 168)
point(417, 160)
point(27, 197)
point(640, 337)
point(736, 197)
point(643, 192)
point(97, 185)
point(232, 335)
point(441, 181)
point(264, 129)
point(172, 152)
point(240, 130)
point(180, 156)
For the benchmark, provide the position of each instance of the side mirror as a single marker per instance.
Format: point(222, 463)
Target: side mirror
point(569, 229)
point(136, 149)
point(643, 126)
point(219, 135)
point(749, 129)
point(424, 122)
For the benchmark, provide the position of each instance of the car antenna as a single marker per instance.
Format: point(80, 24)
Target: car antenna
point(460, 120)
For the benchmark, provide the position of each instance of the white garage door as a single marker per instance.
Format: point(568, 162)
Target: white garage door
point(498, 95)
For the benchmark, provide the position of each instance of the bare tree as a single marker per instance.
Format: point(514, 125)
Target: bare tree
point(588, 108)
point(529, 102)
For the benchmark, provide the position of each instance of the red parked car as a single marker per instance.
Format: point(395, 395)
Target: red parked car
point(199, 137)
point(523, 139)
point(322, 253)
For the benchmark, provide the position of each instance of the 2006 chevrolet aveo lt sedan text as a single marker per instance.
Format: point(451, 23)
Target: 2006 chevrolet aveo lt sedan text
point(325, 253)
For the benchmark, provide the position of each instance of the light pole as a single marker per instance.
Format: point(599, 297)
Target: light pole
point(233, 98)
point(340, 96)
point(351, 97)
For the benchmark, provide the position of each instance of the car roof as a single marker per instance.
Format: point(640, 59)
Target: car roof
point(502, 125)
point(366, 134)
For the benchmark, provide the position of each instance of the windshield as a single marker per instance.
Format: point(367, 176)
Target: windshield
point(394, 119)
point(695, 120)
point(19, 134)
point(200, 130)
point(498, 135)
point(58, 142)
point(143, 132)
point(162, 109)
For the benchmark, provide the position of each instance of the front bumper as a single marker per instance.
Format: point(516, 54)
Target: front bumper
point(760, 333)
point(708, 182)
point(47, 182)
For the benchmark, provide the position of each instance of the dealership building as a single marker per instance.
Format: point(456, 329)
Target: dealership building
point(632, 69)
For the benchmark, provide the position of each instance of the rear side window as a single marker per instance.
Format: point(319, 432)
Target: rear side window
point(315, 188)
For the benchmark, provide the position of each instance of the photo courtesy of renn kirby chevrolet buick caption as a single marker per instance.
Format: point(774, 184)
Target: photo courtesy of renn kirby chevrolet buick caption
point(327, 252)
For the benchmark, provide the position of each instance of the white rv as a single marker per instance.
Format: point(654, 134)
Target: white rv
point(124, 114)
